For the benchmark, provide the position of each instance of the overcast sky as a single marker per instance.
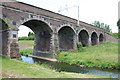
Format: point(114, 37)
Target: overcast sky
point(105, 11)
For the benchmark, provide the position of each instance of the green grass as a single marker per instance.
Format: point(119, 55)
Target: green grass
point(104, 55)
point(12, 68)
point(26, 52)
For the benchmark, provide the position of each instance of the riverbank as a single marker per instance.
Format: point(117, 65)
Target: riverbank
point(104, 56)
point(62, 66)
point(12, 68)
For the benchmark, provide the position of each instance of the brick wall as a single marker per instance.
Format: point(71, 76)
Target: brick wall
point(110, 38)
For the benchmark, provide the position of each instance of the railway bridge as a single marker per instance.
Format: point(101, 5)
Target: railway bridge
point(52, 31)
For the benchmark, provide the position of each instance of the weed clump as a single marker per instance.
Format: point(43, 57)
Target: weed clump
point(79, 47)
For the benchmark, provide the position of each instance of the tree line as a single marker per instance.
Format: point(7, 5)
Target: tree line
point(30, 37)
point(102, 25)
point(107, 27)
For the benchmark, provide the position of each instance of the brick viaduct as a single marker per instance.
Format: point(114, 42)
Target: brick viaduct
point(53, 31)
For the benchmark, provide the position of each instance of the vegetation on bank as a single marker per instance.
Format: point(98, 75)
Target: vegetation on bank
point(26, 52)
point(104, 55)
point(12, 68)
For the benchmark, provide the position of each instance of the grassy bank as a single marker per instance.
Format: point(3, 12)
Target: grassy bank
point(104, 55)
point(26, 44)
point(12, 68)
point(26, 52)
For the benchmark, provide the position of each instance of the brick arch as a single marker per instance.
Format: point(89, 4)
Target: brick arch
point(83, 37)
point(64, 26)
point(66, 37)
point(95, 32)
point(82, 29)
point(101, 37)
point(38, 19)
point(39, 22)
point(94, 38)
point(43, 35)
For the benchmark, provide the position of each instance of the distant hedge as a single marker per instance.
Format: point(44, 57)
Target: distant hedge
point(26, 38)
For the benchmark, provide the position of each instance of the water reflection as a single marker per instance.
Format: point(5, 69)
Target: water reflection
point(27, 59)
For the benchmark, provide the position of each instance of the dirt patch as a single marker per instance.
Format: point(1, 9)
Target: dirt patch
point(26, 44)
point(6, 75)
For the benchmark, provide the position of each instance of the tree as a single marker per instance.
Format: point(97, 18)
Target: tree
point(118, 24)
point(101, 25)
point(96, 23)
point(107, 28)
point(30, 37)
point(30, 34)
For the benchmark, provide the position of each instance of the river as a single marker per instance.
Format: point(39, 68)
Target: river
point(73, 68)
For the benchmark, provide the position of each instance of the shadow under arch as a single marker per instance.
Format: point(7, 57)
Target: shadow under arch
point(66, 38)
point(83, 37)
point(4, 35)
point(94, 39)
point(101, 38)
point(43, 34)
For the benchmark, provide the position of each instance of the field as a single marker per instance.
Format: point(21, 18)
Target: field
point(12, 68)
point(104, 55)
point(26, 44)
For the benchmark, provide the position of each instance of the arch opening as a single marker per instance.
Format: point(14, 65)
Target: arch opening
point(4, 35)
point(83, 37)
point(94, 38)
point(101, 38)
point(42, 33)
point(26, 41)
point(66, 38)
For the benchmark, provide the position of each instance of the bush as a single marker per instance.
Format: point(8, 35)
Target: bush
point(26, 38)
point(79, 46)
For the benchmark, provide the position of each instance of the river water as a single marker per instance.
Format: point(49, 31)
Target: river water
point(73, 68)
